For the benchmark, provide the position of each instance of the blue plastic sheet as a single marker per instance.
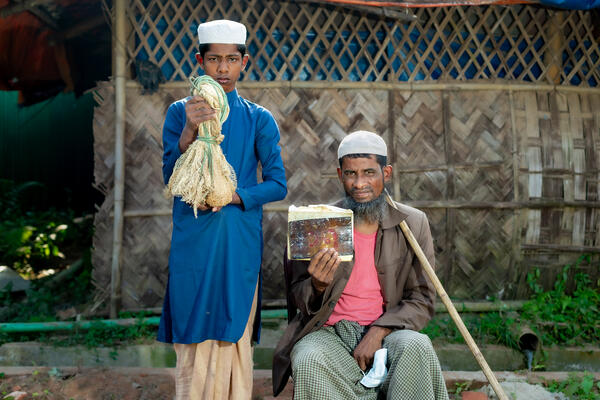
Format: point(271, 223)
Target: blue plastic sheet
point(494, 56)
point(572, 4)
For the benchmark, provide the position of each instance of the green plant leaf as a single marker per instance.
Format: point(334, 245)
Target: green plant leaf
point(587, 383)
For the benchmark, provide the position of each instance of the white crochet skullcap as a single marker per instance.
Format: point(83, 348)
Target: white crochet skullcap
point(222, 31)
point(362, 142)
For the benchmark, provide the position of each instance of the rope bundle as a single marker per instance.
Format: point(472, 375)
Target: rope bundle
point(202, 175)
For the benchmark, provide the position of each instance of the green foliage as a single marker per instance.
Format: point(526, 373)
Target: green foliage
point(42, 302)
point(557, 316)
point(103, 336)
point(577, 387)
point(562, 317)
point(496, 328)
point(460, 387)
point(442, 327)
point(32, 241)
point(100, 335)
point(491, 328)
point(139, 314)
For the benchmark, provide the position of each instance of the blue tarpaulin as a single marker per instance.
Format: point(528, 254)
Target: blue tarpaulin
point(463, 54)
point(572, 4)
point(568, 4)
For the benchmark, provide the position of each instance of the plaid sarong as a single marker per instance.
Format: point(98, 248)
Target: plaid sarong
point(323, 366)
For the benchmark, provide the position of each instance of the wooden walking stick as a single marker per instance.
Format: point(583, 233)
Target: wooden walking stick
point(451, 309)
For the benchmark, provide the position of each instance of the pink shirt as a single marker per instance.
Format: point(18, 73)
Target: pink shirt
point(361, 300)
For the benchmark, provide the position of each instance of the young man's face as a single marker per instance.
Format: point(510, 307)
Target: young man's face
point(223, 63)
point(363, 178)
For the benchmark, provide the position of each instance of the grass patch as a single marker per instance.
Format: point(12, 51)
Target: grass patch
point(577, 387)
point(556, 316)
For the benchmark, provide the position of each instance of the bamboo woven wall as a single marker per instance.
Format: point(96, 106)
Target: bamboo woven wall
point(508, 174)
point(508, 179)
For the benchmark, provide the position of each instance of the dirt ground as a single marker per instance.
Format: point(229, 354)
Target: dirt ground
point(88, 384)
point(72, 383)
point(105, 384)
point(123, 383)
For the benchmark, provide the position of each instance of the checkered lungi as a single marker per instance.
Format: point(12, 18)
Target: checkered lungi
point(323, 366)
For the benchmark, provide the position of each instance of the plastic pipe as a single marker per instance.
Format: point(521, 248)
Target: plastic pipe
point(15, 327)
point(31, 327)
point(23, 327)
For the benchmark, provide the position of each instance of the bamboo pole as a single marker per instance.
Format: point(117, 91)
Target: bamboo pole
point(517, 216)
point(428, 204)
point(119, 55)
point(451, 309)
point(553, 53)
point(464, 306)
point(450, 178)
point(531, 204)
point(407, 86)
point(390, 140)
point(561, 248)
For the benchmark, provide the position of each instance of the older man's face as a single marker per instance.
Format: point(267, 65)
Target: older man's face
point(363, 178)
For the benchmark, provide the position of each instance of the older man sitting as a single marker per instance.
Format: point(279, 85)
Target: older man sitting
point(365, 313)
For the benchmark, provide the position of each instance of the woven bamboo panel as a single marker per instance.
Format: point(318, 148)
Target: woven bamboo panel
point(145, 239)
point(303, 41)
point(102, 249)
point(443, 255)
point(419, 129)
point(312, 123)
point(418, 141)
point(104, 119)
point(560, 154)
point(480, 135)
point(482, 255)
point(419, 171)
point(447, 147)
point(457, 147)
point(274, 236)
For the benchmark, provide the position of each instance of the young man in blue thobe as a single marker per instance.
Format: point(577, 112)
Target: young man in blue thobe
point(211, 310)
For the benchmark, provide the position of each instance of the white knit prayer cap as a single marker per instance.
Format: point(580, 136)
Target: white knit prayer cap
point(362, 142)
point(222, 31)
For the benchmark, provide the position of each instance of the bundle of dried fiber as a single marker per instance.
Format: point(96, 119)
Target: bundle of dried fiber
point(202, 175)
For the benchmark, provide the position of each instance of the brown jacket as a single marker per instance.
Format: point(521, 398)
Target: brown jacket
point(408, 294)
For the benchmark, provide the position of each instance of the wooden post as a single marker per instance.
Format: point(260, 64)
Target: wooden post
point(553, 54)
point(450, 173)
point(517, 214)
point(119, 56)
point(392, 156)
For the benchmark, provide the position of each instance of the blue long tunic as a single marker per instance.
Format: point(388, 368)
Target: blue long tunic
point(215, 259)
